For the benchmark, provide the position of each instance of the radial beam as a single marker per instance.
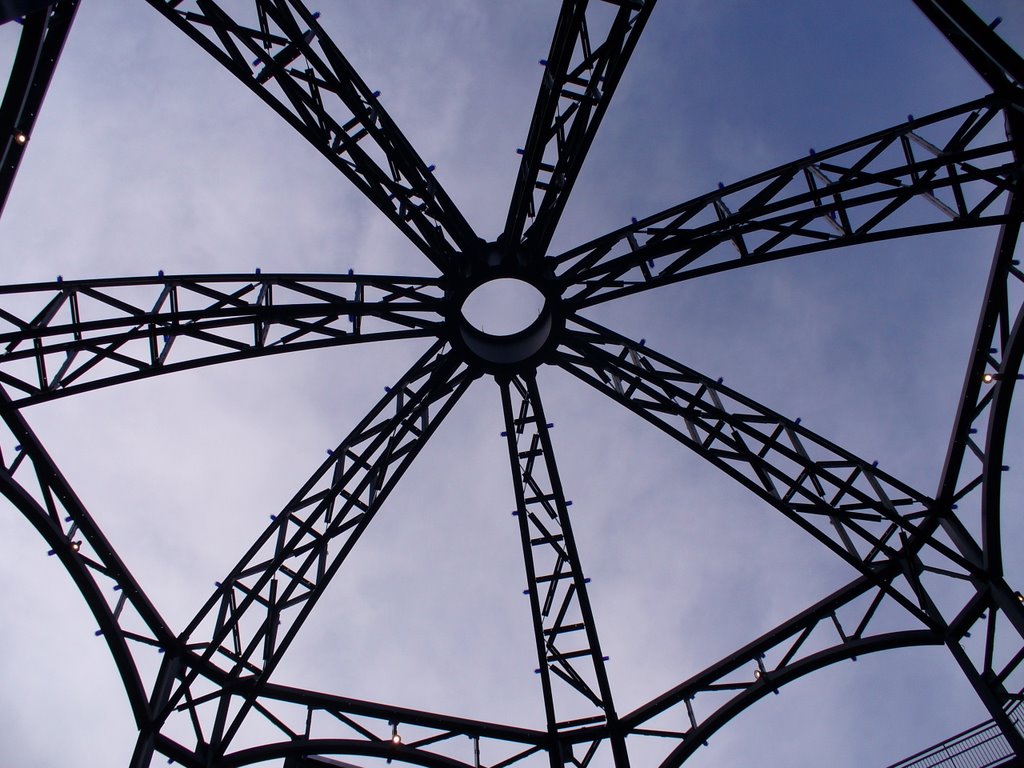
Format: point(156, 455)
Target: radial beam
point(233, 644)
point(60, 338)
point(281, 52)
point(951, 170)
point(855, 509)
point(572, 668)
point(886, 530)
point(44, 31)
point(591, 46)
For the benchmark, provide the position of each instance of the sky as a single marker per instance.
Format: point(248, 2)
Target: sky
point(148, 157)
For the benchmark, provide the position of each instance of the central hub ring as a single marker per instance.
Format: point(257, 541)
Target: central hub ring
point(504, 318)
point(509, 305)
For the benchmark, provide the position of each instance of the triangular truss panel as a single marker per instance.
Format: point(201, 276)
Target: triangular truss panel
point(923, 567)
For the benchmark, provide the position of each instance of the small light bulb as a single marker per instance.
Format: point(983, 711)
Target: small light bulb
point(20, 137)
point(76, 546)
point(396, 739)
point(988, 378)
point(757, 674)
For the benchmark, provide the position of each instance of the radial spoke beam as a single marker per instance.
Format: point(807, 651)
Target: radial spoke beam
point(952, 170)
point(127, 621)
point(60, 338)
point(855, 509)
point(44, 31)
point(242, 632)
point(572, 667)
point(591, 46)
point(280, 51)
point(877, 524)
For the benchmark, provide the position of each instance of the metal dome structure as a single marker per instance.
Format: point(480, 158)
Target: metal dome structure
point(927, 564)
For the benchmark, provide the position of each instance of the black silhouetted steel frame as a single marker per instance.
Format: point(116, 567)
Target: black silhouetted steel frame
point(44, 30)
point(67, 337)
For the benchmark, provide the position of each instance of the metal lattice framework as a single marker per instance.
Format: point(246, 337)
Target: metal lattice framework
point(906, 547)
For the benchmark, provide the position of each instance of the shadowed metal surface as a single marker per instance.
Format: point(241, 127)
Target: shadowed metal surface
point(912, 550)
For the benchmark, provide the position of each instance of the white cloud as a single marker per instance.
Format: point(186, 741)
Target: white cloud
point(148, 157)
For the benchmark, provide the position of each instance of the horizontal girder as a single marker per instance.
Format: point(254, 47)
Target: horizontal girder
point(838, 628)
point(336, 725)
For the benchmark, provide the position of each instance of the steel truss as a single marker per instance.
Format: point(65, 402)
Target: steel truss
point(45, 27)
point(913, 553)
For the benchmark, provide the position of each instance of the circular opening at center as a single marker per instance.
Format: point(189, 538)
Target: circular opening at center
point(503, 307)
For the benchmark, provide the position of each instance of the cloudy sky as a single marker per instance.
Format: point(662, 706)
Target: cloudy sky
point(148, 157)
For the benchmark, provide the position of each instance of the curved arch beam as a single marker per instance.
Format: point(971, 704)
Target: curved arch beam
point(30, 481)
point(850, 650)
point(294, 752)
point(343, 726)
point(335, 719)
point(570, 661)
point(996, 438)
point(845, 615)
point(836, 628)
point(972, 473)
